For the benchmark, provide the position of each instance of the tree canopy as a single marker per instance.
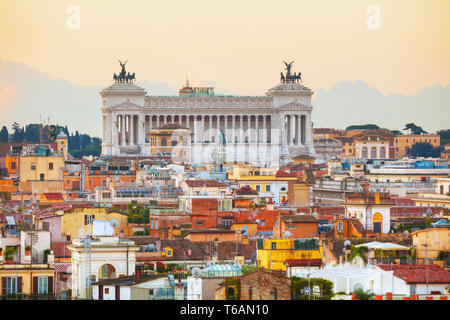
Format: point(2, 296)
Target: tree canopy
point(414, 129)
point(4, 135)
point(424, 149)
point(363, 127)
point(79, 145)
point(298, 286)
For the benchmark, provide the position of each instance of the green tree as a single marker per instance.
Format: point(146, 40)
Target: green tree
point(298, 286)
point(249, 268)
point(363, 127)
point(428, 222)
point(444, 136)
point(364, 295)
point(4, 135)
point(424, 149)
point(414, 129)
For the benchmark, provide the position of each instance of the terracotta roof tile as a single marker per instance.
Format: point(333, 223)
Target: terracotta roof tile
point(303, 262)
point(53, 196)
point(284, 174)
point(417, 273)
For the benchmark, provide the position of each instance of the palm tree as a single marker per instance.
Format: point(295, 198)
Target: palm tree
point(364, 295)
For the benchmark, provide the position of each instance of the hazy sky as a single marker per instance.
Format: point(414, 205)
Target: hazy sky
point(237, 44)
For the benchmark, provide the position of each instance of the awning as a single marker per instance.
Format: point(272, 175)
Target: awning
point(382, 246)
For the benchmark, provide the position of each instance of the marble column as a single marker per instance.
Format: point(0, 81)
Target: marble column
point(131, 138)
point(210, 129)
point(249, 127)
point(256, 129)
point(234, 129)
point(264, 129)
point(299, 130)
point(195, 129)
point(241, 129)
point(292, 128)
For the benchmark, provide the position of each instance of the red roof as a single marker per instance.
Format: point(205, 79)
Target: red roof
point(53, 196)
point(60, 249)
point(284, 174)
point(303, 262)
point(417, 273)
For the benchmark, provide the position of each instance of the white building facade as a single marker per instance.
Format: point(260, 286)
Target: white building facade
point(105, 257)
point(259, 130)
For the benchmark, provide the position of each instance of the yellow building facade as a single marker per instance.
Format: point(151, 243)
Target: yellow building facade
point(408, 140)
point(78, 222)
point(41, 167)
point(263, 180)
point(25, 279)
point(273, 253)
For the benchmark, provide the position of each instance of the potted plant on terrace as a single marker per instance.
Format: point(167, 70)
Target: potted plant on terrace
point(1, 251)
point(27, 250)
point(9, 254)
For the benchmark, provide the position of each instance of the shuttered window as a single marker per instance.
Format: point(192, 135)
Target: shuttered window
point(43, 285)
point(10, 285)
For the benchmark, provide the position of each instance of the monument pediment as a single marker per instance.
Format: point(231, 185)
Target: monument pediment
point(293, 106)
point(127, 106)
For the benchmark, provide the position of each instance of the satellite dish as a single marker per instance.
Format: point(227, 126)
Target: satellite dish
point(150, 247)
point(315, 214)
point(286, 234)
point(347, 243)
point(196, 271)
point(114, 223)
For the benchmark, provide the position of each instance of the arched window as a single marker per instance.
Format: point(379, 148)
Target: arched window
point(373, 153)
point(383, 153)
point(107, 271)
point(364, 152)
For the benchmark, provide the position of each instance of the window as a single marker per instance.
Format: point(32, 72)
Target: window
point(33, 166)
point(373, 153)
point(11, 285)
point(42, 177)
point(383, 153)
point(13, 165)
point(267, 187)
point(90, 183)
point(258, 188)
point(150, 292)
point(274, 245)
point(169, 253)
point(43, 285)
point(89, 219)
point(340, 226)
point(50, 166)
point(106, 195)
point(200, 222)
point(163, 142)
point(364, 153)
point(250, 293)
point(291, 226)
point(103, 183)
point(106, 290)
point(273, 294)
